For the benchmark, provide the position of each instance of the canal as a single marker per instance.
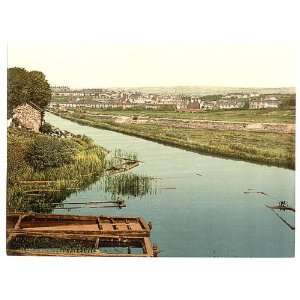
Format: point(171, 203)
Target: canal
point(200, 205)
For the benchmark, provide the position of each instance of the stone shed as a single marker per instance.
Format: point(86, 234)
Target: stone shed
point(29, 116)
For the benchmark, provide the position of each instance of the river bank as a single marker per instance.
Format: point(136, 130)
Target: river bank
point(274, 149)
point(43, 170)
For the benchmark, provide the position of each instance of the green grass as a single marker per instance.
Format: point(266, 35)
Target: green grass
point(267, 148)
point(256, 115)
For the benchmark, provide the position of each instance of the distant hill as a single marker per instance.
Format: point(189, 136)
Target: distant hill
point(210, 90)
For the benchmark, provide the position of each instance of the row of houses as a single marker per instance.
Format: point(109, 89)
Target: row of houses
point(98, 104)
point(64, 97)
point(130, 97)
point(190, 105)
point(229, 103)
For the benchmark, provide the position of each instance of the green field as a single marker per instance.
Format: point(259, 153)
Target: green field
point(261, 115)
point(267, 148)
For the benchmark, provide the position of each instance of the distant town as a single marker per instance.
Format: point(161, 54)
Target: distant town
point(64, 97)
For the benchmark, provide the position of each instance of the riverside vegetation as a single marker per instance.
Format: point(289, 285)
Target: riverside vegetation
point(44, 170)
point(274, 149)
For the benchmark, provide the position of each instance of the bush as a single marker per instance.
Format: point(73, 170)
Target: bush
point(48, 152)
point(46, 128)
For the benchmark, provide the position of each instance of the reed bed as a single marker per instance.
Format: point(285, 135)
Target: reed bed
point(119, 153)
point(128, 184)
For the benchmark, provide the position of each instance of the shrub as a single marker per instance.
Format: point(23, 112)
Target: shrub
point(46, 128)
point(48, 152)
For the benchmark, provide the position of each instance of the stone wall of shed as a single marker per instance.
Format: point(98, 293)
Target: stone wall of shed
point(28, 117)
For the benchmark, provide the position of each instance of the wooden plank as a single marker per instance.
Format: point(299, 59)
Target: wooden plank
point(93, 254)
point(76, 217)
point(97, 243)
point(144, 224)
point(46, 181)
point(9, 238)
point(282, 207)
point(118, 234)
point(99, 224)
point(283, 220)
point(18, 224)
point(148, 247)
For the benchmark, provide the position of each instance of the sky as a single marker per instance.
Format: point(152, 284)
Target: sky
point(249, 43)
point(92, 64)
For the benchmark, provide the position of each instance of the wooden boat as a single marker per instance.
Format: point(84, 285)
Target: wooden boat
point(69, 235)
point(281, 207)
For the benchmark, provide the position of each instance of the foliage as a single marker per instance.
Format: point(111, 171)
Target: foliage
point(288, 101)
point(86, 139)
point(31, 189)
point(24, 86)
point(48, 152)
point(46, 128)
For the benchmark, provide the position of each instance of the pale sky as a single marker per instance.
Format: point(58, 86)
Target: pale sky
point(156, 43)
point(132, 65)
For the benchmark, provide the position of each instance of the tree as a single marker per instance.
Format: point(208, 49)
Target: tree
point(17, 79)
point(24, 86)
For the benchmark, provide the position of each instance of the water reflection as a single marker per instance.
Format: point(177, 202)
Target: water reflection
point(44, 200)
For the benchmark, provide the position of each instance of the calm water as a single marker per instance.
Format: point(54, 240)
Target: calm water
point(208, 215)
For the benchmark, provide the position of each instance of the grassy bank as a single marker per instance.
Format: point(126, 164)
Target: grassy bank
point(38, 188)
point(266, 148)
point(255, 115)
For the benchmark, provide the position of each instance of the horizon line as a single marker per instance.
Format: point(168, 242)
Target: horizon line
point(180, 86)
